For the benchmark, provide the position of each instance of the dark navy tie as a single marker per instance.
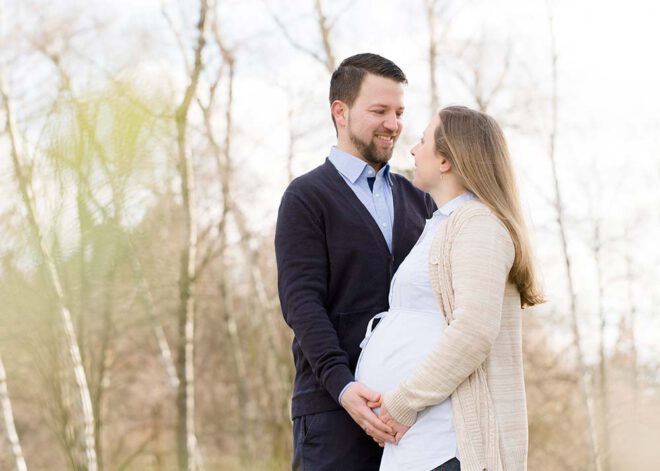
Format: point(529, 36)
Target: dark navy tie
point(370, 181)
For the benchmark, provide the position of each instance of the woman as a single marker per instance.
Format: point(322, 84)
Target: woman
point(448, 352)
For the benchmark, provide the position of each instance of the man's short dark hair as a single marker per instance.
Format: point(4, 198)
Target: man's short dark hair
point(347, 79)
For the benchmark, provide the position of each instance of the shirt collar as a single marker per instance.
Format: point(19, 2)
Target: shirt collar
point(450, 206)
point(353, 168)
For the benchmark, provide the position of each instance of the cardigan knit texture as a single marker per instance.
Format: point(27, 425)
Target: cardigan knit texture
point(478, 363)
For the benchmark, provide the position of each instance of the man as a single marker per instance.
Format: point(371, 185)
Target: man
point(342, 231)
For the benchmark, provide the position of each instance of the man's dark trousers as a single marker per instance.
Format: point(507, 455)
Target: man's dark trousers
point(345, 447)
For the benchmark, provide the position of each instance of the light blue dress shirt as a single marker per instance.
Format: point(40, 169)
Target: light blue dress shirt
point(378, 202)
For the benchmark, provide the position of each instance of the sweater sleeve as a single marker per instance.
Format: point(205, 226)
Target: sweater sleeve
point(481, 257)
point(302, 265)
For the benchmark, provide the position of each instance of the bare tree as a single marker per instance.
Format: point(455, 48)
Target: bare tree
point(602, 386)
point(81, 167)
point(324, 29)
point(90, 152)
point(627, 339)
point(291, 148)
point(553, 401)
point(472, 72)
point(87, 412)
point(432, 22)
point(327, 58)
point(147, 297)
point(10, 426)
point(117, 191)
point(274, 377)
point(629, 326)
point(467, 62)
point(299, 126)
point(222, 154)
point(186, 438)
point(256, 337)
point(587, 401)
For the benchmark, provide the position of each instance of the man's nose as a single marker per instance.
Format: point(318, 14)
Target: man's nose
point(391, 122)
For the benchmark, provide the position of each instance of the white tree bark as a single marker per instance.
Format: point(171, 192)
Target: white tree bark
point(67, 322)
point(10, 426)
point(186, 438)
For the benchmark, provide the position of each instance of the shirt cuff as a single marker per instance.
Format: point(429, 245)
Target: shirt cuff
point(336, 383)
point(344, 390)
point(397, 405)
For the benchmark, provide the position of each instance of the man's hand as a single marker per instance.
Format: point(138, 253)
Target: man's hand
point(356, 400)
point(399, 429)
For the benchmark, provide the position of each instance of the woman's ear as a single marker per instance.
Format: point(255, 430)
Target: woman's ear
point(445, 164)
point(339, 111)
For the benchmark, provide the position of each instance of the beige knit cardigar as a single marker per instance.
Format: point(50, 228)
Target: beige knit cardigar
point(478, 362)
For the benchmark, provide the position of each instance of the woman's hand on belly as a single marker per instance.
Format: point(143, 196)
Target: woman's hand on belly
point(357, 400)
point(399, 429)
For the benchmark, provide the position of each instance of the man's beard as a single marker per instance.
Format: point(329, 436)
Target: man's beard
point(370, 152)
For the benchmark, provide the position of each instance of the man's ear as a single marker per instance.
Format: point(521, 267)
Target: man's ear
point(339, 111)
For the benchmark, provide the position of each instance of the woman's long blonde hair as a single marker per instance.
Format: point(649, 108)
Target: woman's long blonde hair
point(474, 144)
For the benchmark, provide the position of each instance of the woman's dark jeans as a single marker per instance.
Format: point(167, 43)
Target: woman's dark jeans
point(451, 465)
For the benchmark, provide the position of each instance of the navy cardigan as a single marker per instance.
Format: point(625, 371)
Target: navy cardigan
point(334, 272)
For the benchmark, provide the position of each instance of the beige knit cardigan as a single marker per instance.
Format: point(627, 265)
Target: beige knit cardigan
point(479, 360)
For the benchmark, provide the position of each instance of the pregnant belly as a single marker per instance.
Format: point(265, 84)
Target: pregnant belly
point(398, 344)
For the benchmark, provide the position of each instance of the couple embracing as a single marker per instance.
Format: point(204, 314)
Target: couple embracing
point(405, 298)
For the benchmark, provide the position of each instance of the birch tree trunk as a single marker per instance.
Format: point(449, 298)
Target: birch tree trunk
point(98, 393)
point(186, 438)
point(10, 426)
point(71, 340)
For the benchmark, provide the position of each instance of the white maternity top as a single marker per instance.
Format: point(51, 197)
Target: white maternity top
point(400, 342)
